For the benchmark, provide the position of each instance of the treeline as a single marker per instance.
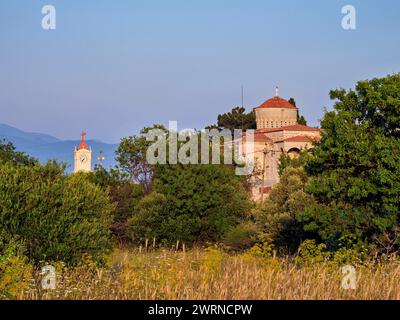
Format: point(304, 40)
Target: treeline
point(342, 195)
point(49, 216)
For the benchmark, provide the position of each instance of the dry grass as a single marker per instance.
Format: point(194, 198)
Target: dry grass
point(211, 274)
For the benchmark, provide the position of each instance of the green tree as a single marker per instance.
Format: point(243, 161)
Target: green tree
point(123, 192)
point(199, 203)
point(292, 102)
point(286, 161)
point(8, 153)
point(202, 201)
point(56, 217)
point(151, 219)
point(277, 215)
point(355, 168)
point(236, 119)
point(300, 119)
point(131, 157)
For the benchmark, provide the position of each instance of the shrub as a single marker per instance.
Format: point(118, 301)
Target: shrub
point(15, 272)
point(190, 203)
point(265, 251)
point(211, 262)
point(204, 200)
point(123, 192)
point(9, 154)
point(310, 253)
point(351, 250)
point(241, 237)
point(150, 219)
point(57, 217)
point(355, 168)
point(277, 215)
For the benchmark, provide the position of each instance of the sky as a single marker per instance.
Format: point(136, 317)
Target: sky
point(113, 67)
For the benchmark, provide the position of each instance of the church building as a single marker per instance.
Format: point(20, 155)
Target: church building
point(277, 132)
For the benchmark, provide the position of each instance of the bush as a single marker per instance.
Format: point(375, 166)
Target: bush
point(311, 253)
point(265, 251)
point(9, 154)
point(277, 216)
point(349, 251)
point(15, 272)
point(205, 200)
point(150, 219)
point(190, 203)
point(355, 168)
point(241, 237)
point(123, 192)
point(57, 217)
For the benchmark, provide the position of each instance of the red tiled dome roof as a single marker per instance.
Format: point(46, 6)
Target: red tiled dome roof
point(277, 102)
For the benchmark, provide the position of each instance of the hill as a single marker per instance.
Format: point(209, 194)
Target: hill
point(45, 147)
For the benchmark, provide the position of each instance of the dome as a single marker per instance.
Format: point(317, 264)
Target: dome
point(277, 102)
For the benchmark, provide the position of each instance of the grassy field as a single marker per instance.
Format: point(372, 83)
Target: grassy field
point(212, 274)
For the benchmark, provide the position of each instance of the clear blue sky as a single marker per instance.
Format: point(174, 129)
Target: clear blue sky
point(112, 67)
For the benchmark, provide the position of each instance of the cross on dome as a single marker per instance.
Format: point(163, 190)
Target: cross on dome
point(276, 102)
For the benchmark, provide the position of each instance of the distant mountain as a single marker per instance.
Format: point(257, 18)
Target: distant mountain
point(25, 138)
point(45, 147)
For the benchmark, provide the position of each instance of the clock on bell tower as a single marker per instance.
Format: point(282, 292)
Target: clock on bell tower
point(82, 156)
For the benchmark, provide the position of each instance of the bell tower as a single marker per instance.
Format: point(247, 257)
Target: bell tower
point(82, 156)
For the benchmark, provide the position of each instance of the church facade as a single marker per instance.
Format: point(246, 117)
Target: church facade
point(277, 132)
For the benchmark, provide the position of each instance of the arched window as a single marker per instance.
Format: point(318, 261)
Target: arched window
point(294, 152)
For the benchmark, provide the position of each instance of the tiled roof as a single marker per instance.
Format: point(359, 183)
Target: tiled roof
point(83, 144)
point(300, 139)
point(295, 127)
point(261, 137)
point(265, 190)
point(258, 137)
point(276, 102)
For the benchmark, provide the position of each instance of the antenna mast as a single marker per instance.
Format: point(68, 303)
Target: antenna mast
point(242, 97)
